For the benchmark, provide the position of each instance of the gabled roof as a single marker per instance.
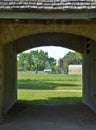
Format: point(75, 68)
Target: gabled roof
point(47, 4)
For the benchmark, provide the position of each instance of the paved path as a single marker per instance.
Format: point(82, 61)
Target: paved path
point(67, 90)
point(50, 117)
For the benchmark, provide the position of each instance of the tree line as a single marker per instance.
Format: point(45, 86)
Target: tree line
point(39, 60)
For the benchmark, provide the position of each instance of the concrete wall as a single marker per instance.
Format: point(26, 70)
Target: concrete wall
point(1, 83)
point(89, 75)
point(13, 30)
point(10, 72)
point(71, 41)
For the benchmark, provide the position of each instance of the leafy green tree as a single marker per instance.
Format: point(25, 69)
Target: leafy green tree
point(38, 60)
point(69, 58)
point(28, 61)
point(52, 63)
point(35, 60)
point(21, 61)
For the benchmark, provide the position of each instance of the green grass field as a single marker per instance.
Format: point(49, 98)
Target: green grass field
point(49, 88)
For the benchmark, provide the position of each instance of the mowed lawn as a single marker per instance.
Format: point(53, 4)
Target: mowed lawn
point(49, 88)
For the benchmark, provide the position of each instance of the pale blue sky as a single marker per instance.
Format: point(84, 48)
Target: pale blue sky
point(55, 52)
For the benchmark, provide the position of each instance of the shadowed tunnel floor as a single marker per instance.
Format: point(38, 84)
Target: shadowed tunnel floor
point(49, 117)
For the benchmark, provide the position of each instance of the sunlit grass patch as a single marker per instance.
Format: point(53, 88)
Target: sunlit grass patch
point(49, 81)
point(44, 88)
point(49, 96)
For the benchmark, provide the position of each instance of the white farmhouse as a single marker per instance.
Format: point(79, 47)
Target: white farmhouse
point(75, 69)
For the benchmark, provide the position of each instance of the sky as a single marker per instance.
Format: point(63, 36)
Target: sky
point(55, 52)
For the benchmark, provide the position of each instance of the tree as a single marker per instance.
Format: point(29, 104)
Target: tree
point(69, 57)
point(35, 60)
point(52, 63)
point(38, 60)
point(21, 61)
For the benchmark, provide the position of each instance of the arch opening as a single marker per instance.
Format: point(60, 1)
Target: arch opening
point(55, 86)
point(70, 41)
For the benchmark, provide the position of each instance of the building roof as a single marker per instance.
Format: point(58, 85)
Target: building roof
point(47, 4)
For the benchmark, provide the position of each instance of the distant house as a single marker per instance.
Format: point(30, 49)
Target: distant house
point(75, 67)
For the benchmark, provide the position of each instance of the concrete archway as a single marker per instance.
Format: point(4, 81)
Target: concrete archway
point(70, 41)
point(33, 35)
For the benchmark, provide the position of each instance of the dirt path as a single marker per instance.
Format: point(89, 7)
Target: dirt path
point(50, 117)
point(67, 90)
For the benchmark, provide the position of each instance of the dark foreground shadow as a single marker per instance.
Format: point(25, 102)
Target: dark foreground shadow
point(42, 85)
point(55, 100)
point(65, 116)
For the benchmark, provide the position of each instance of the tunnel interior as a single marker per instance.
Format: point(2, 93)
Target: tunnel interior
point(78, 43)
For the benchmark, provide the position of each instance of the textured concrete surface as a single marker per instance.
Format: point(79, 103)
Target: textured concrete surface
point(47, 4)
point(50, 117)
